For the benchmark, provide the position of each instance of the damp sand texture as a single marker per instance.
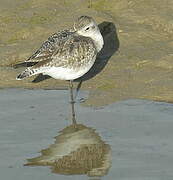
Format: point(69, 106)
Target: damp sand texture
point(140, 65)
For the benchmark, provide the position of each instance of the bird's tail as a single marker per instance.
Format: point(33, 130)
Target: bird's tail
point(27, 73)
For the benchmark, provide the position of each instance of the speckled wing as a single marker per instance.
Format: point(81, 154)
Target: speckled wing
point(75, 52)
point(47, 49)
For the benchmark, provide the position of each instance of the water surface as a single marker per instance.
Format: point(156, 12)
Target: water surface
point(134, 137)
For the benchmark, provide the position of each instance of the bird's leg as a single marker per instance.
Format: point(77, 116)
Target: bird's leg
point(78, 88)
point(72, 103)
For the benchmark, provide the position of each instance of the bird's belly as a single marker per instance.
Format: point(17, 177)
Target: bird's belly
point(66, 73)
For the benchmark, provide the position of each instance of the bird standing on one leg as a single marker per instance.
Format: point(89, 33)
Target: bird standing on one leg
point(68, 54)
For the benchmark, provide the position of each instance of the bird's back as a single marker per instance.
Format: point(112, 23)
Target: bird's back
point(74, 52)
point(63, 53)
point(50, 45)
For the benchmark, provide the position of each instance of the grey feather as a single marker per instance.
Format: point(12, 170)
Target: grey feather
point(49, 46)
point(73, 49)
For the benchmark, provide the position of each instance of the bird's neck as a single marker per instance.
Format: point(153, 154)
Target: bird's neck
point(98, 40)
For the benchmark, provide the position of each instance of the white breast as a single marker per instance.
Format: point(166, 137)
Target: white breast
point(67, 73)
point(98, 40)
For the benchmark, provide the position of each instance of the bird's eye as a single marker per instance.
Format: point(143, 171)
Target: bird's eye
point(87, 29)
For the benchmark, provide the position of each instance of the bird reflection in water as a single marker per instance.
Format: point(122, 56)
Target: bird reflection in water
point(77, 150)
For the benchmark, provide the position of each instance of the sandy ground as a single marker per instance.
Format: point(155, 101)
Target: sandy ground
point(138, 132)
point(138, 59)
point(135, 63)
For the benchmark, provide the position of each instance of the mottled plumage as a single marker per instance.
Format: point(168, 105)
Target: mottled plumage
point(49, 46)
point(68, 54)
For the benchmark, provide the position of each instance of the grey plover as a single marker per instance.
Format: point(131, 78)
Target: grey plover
point(68, 54)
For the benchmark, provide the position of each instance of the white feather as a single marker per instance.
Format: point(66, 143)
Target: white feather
point(67, 73)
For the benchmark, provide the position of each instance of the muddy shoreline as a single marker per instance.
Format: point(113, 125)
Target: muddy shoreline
point(139, 67)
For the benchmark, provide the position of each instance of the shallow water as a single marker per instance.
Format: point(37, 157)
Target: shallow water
point(138, 133)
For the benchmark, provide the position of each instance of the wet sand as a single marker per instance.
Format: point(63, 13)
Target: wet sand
point(138, 132)
point(140, 62)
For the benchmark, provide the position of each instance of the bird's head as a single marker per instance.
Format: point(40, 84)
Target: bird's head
point(86, 26)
